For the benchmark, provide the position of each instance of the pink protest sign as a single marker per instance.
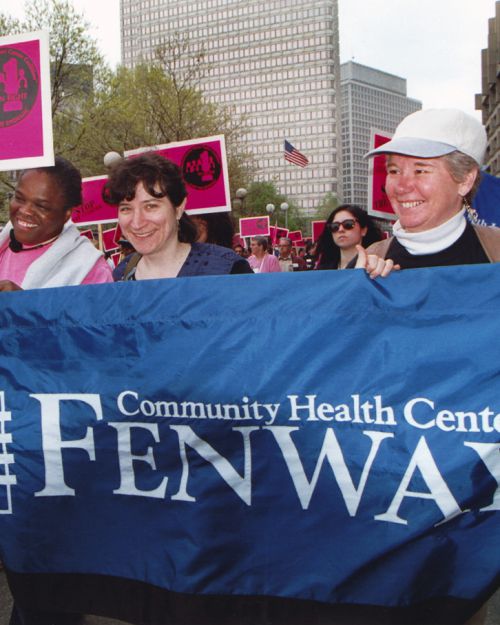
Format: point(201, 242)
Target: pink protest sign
point(295, 235)
point(276, 233)
point(317, 229)
point(25, 107)
point(254, 226)
point(204, 167)
point(108, 239)
point(94, 209)
point(87, 233)
point(378, 202)
point(118, 235)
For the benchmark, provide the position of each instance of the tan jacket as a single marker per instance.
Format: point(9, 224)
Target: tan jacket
point(488, 236)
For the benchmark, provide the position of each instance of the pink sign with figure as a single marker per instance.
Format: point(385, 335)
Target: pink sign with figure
point(378, 202)
point(254, 226)
point(94, 209)
point(25, 106)
point(204, 167)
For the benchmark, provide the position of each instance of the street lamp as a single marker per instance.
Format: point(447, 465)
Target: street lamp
point(284, 207)
point(240, 196)
point(111, 159)
point(270, 209)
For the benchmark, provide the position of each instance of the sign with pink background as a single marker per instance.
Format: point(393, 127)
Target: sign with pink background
point(25, 106)
point(94, 209)
point(204, 167)
point(109, 240)
point(254, 226)
point(87, 233)
point(295, 235)
point(378, 202)
point(276, 233)
point(317, 228)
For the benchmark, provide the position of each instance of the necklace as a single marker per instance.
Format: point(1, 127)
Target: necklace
point(16, 246)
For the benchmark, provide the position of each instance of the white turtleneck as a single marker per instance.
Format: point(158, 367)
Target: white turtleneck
point(433, 240)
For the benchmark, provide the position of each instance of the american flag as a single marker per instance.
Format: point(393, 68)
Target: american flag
point(294, 156)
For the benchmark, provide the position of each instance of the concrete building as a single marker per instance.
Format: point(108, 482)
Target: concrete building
point(371, 99)
point(488, 101)
point(274, 61)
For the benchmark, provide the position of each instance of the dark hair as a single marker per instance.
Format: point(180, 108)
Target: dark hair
point(220, 229)
point(68, 178)
point(154, 171)
point(329, 253)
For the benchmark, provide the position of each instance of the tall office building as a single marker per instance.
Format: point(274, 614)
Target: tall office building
point(370, 99)
point(488, 102)
point(275, 61)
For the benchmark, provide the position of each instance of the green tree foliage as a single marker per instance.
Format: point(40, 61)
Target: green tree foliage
point(326, 206)
point(142, 107)
point(75, 60)
point(161, 102)
point(96, 110)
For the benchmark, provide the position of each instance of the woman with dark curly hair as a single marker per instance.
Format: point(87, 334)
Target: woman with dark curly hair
point(347, 226)
point(151, 197)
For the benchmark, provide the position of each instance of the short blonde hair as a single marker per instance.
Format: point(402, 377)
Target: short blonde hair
point(459, 165)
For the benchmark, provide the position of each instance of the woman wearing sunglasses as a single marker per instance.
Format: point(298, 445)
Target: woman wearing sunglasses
point(347, 226)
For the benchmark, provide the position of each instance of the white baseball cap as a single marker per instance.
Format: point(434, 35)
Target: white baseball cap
point(435, 132)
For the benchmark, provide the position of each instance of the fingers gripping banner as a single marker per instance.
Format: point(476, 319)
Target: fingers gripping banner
point(205, 438)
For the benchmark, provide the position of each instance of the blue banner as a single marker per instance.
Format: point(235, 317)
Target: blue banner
point(316, 436)
point(486, 201)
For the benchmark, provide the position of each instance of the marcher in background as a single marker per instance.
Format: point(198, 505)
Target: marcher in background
point(151, 197)
point(287, 259)
point(433, 170)
point(310, 255)
point(346, 227)
point(240, 250)
point(40, 246)
point(216, 228)
point(260, 260)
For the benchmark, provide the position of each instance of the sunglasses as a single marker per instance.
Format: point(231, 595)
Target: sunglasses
point(347, 224)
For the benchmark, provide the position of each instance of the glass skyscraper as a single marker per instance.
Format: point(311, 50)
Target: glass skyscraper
point(274, 61)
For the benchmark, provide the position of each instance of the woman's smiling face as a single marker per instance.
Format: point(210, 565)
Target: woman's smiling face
point(148, 222)
point(422, 191)
point(38, 209)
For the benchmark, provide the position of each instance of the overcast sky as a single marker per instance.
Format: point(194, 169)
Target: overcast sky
point(434, 44)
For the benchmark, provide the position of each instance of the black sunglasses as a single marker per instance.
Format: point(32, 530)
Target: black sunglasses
point(347, 224)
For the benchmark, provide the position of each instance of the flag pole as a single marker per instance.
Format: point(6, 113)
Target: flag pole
point(284, 179)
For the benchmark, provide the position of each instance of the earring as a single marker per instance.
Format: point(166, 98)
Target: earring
point(471, 213)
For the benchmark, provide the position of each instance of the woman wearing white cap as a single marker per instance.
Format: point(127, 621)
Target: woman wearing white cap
point(433, 170)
